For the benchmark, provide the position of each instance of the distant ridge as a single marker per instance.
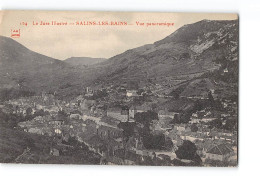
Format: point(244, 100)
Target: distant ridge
point(77, 61)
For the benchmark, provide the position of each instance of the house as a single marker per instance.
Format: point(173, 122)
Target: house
point(54, 152)
point(99, 112)
point(194, 115)
point(86, 104)
point(51, 109)
point(118, 113)
point(194, 136)
point(58, 131)
point(206, 120)
point(179, 127)
point(39, 119)
point(221, 152)
point(74, 116)
point(194, 120)
point(135, 109)
point(165, 116)
point(58, 120)
point(165, 113)
point(131, 93)
point(89, 92)
point(225, 70)
point(106, 132)
point(92, 109)
point(35, 130)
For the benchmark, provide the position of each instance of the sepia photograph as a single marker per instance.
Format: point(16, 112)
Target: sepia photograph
point(119, 88)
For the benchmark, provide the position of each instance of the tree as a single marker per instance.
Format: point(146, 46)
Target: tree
point(168, 144)
point(140, 91)
point(231, 124)
point(198, 106)
point(29, 142)
point(151, 141)
point(128, 129)
point(217, 123)
point(41, 112)
point(188, 150)
point(185, 55)
point(153, 106)
point(29, 111)
point(194, 128)
point(100, 94)
point(145, 118)
point(182, 118)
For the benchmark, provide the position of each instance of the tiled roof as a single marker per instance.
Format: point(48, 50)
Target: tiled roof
point(221, 149)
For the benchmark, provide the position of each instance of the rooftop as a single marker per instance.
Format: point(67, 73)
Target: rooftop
point(221, 149)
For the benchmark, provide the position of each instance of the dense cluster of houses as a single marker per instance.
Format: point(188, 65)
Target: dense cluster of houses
point(94, 124)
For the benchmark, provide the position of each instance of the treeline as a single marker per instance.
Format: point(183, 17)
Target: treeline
point(8, 94)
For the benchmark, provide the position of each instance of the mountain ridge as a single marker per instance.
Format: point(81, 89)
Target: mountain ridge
point(189, 53)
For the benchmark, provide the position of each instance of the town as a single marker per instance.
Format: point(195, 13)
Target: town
point(125, 125)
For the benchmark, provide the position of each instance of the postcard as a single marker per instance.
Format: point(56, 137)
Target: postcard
point(119, 88)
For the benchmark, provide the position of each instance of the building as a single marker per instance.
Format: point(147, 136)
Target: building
point(166, 113)
point(86, 104)
point(106, 132)
point(179, 127)
point(221, 152)
point(54, 152)
point(131, 93)
point(58, 120)
point(135, 109)
point(89, 92)
point(118, 113)
point(165, 116)
point(74, 116)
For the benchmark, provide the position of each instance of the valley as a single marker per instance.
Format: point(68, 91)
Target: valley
point(141, 107)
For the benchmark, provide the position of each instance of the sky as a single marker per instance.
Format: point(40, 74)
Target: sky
point(97, 41)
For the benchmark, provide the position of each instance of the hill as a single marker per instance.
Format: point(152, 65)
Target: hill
point(206, 49)
point(24, 72)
